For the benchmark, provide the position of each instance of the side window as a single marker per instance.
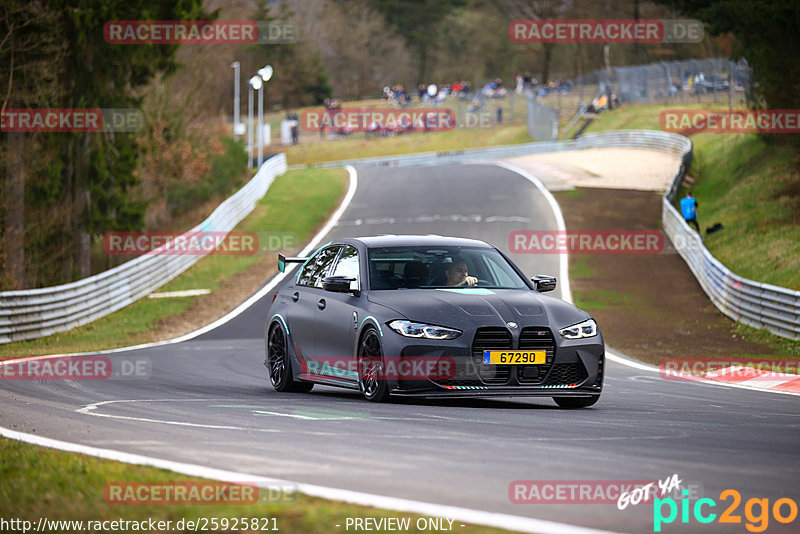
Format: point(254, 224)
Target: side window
point(348, 263)
point(317, 267)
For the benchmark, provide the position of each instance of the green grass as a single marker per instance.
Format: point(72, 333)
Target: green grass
point(40, 482)
point(749, 186)
point(357, 146)
point(599, 299)
point(296, 203)
point(580, 269)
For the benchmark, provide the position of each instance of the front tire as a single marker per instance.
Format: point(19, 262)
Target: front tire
point(279, 363)
point(371, 375)
point(576, 402)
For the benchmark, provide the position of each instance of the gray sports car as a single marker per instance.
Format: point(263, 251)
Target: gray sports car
point(428, 316)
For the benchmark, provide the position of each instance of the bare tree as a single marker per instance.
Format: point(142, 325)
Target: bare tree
point(536, 10)
point(26, 52)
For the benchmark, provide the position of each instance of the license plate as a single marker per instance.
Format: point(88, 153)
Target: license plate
point(512, 357)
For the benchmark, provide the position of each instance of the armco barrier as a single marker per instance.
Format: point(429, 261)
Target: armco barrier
point(33, 313)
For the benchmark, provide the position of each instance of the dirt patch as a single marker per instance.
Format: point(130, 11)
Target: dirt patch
point(618, 168)
point(657, 308)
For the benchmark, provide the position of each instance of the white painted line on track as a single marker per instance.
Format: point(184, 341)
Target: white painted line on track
point(91, 409)
point(467, 515)
point(563, 266)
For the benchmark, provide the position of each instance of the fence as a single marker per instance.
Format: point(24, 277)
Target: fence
point(542, 121)
point(33, 313)
point(709, 80)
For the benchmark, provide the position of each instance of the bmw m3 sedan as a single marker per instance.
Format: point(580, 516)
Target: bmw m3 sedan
point(428, 316)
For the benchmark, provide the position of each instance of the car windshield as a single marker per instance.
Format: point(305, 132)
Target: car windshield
point(428, 268)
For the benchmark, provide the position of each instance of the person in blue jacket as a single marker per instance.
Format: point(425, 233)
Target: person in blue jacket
point(689, 210)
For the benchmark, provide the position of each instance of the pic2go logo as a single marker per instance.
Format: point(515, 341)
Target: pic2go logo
point(758, 521)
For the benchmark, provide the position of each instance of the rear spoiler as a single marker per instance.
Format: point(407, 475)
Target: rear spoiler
point(283, 260)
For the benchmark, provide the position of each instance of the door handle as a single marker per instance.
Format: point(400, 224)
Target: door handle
point(295, 296)
point(321, 304)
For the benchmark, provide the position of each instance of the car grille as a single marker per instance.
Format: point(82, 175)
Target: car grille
point(567, 374)
point(531, 338)
point(534, 338)
point(494, 338)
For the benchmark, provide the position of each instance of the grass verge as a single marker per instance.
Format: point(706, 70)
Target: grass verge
point(358, 146)
point(748, 185)
point(296, 204)
point(46, 483)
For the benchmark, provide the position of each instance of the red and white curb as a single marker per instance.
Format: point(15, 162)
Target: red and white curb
point(745, 376)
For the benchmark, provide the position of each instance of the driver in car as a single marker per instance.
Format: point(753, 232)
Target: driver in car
point(457, 274)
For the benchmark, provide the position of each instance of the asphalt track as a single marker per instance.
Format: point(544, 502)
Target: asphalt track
point(207, 401)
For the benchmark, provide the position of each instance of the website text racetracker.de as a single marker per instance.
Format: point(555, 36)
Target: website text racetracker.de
point(394, 369)
point(107, 526)
point(584, 491)
point(369, 120)
point(586, 241)
point(58, 368)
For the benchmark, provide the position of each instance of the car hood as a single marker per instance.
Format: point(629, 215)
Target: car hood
point(473, 307)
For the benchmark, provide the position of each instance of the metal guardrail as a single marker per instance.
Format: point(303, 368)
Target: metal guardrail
point(749, 302)
point(33, 313)
point(617, 139)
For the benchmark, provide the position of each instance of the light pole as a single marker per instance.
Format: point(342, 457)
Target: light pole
point(254, 83)
point(265, 74)
point(235, 66)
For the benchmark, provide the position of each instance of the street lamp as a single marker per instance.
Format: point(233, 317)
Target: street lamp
point(265, 74)
point(235, 67)
point(254, 83)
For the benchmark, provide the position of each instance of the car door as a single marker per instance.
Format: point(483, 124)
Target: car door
point(338, 316)
point(304, 301)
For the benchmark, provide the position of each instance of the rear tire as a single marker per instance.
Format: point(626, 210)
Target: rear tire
point(576, 402)
point(371, 375)
point(279, 363)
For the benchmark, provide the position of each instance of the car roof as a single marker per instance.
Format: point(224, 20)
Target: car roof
point(417, 240)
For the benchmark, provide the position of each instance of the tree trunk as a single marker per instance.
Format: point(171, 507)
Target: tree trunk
point(548, 54)
point(81, 203)
point(14, 231)
point(422, 67)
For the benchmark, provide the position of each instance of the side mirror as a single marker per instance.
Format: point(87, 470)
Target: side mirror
point(544, 283)
point(338, 284)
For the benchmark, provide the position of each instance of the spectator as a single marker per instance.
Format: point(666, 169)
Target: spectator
point(689, 210)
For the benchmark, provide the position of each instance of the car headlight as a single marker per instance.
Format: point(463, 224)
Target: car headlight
point(428, 331)
point(587, 328)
